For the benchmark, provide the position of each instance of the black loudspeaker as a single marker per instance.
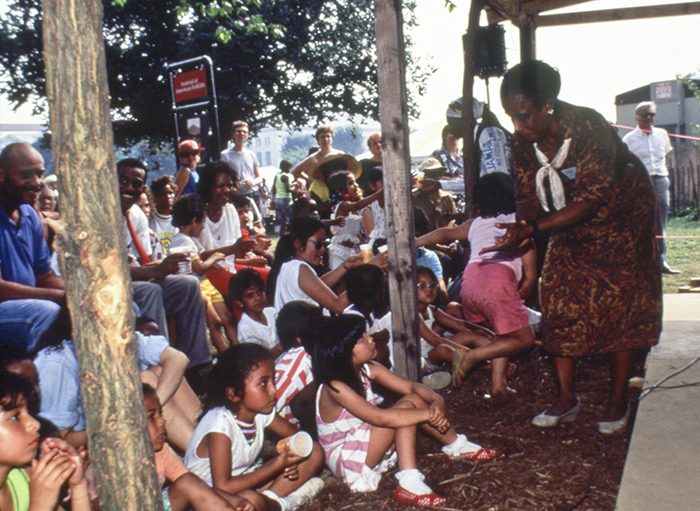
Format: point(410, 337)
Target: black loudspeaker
point(489, 51)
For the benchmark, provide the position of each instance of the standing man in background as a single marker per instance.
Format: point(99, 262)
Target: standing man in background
point(245, 164)
point(652, 146)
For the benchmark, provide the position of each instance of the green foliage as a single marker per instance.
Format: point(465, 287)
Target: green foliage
point(296, 147)
point(277, 62)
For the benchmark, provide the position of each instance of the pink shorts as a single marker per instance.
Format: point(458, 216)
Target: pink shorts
point(490, 293)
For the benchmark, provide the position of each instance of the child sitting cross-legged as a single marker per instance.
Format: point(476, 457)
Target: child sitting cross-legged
point(257, 324)
point(357, 436)
point(28, 483)
point(437, 349)
point(240, 406)
point(293, 374)
point(186, 490)
point(189, 215)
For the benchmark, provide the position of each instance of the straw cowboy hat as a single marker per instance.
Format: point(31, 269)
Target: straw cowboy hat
point(333, 163)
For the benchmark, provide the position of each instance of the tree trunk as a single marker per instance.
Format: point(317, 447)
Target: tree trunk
point(391, 56)
point(92, 255)
point(471, 166)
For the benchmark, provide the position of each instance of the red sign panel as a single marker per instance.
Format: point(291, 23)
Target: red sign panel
point(190, 85)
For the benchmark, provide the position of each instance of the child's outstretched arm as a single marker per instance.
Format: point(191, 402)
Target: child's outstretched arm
point(200, 265)
point(445, 235)
point(346, 207)
point(221, 462)
point(529, 271)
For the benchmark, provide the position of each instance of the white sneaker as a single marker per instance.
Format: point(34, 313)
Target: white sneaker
point(305, 493)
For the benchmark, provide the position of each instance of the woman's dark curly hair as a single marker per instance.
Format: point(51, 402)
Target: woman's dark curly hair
point(538, 81)
point(332, 357)
point(208, 174)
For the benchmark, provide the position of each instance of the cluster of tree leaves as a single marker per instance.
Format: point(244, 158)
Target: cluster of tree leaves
point(345, 138)
point(277, 62)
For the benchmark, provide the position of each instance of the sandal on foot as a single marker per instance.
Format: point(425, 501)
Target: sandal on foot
point(457, 375)
point(403, 496)
point(480, 455)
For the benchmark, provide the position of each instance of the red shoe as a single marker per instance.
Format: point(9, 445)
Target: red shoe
point(403, 496)
point(480, 455)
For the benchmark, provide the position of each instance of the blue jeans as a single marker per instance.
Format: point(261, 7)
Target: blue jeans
point(23, 321)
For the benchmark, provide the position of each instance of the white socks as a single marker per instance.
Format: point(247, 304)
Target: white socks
point(412, 480)
point(460, 446)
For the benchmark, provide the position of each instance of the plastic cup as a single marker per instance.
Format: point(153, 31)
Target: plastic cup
point(183, 267)
point(383, 249)
point(366, 251)
point(299, 444)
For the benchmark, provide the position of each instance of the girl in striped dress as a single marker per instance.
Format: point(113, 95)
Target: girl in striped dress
point(361, 441)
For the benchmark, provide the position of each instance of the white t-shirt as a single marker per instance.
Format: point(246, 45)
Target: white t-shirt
point(243, 456)
point(140, 224)
point(192, 245)
point(287, 288)
point(163, 228)
point(222, 233)
point(250, 330)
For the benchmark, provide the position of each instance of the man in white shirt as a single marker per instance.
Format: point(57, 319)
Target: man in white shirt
point(158, 290)
point(652, 146)
point(245, 163)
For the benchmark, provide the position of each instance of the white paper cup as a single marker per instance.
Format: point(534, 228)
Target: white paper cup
point(299, 444)
point(183, 267)
point(383, 249)
point(366, 251)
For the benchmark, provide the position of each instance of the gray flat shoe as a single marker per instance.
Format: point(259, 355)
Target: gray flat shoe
point(552, 421)
point(607, 428)
point(437, 381)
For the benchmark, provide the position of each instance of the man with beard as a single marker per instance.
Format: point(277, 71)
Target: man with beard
point(158, 292)
point(30, 292)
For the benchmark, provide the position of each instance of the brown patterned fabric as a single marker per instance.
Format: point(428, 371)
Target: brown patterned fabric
point(601, 283)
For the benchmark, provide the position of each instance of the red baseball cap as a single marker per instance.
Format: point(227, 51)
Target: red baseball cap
point(187, 146)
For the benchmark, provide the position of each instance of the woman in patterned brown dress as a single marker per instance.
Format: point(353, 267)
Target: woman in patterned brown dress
point(601, 286)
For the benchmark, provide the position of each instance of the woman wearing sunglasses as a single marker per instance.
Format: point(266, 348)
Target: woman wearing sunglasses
point(293, 276)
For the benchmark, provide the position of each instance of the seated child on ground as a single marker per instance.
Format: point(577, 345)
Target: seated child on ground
point(25, 481)
point(186, 490)
point(240, 405)
point(189, 215)
point(366, 289)
point(436, 349)
point(293, 374)
point(357, 436)
point(246, 290)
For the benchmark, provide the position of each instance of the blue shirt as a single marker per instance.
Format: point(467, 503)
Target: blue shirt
point(430, 259)
point(24, 253)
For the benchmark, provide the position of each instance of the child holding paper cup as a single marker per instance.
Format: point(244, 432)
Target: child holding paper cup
point(240, 406)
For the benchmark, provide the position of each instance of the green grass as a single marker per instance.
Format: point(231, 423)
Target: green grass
point(682, 254)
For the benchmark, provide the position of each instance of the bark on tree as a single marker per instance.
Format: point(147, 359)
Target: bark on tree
point(91, 251)
point(393, 114)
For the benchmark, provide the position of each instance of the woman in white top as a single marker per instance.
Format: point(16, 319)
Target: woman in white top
point(293, 276)
point(222, 231)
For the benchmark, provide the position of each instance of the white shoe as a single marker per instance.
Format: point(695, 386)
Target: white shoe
point(552, 421)
point(305, 493)
point(606, 428)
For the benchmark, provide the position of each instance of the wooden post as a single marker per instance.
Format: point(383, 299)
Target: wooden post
point(527, 41)
point(471, 166)
point(393, 113)
point(92, 255)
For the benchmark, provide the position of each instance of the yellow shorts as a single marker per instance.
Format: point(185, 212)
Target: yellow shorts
point(208, 290)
